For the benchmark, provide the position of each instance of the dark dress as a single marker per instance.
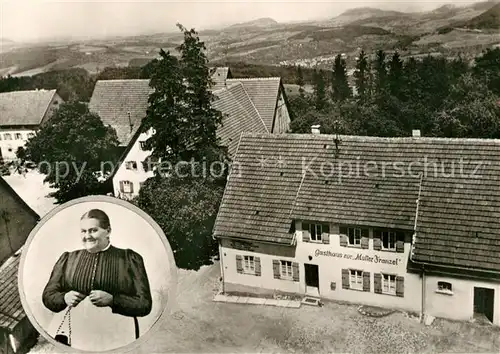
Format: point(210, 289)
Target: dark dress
point(117, 271)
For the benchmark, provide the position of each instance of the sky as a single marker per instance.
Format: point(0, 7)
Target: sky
point(32, 20)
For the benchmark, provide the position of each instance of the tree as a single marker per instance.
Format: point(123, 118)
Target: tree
point(319, 90)
point(340, 86)
point(395, 74)
point(186, 210)
point(380, 72)
point(300, 80)
point(185, 201)
point(361, 75)
point(180, 110)
point(71, 149)
point(487, 67)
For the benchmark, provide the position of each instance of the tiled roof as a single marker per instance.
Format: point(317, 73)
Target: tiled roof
point(24, 107)
point(112, 100)
point(264, 93)
point(453, 206)
point(11, 309)
point(219, 77)
point(240, 115)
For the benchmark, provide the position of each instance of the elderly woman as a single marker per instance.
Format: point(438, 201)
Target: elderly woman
point(104, 289)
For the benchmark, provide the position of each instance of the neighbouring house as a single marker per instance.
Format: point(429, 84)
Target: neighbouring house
point(17, 220)
point(219, 76)
point(407, 223)
point(245, 104)
point(21, 114)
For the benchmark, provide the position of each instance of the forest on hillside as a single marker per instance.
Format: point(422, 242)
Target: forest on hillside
point(386, 96)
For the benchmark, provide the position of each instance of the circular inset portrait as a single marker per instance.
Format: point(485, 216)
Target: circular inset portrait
point(96, 274)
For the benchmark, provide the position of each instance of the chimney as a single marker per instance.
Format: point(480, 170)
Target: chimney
point(315, 129)
point(416, 133)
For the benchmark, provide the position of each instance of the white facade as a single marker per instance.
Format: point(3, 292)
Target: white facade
point(326, 269)
point(132, 171)
point(13, 139)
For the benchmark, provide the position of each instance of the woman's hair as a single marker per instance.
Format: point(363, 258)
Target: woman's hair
point(99, 215)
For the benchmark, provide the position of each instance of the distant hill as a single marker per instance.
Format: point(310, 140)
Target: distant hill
point(490, 19)
point(261, 22)
point(6, 41)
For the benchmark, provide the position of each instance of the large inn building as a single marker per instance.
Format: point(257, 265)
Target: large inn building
point(406, 223)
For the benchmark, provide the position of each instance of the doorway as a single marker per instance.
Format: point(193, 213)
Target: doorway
point(484, 302)
point(312, 279)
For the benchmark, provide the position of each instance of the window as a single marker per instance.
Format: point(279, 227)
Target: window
point(7, 136)
point(286, 270)
point(127, 187)
point(444, 287)
point(356, 279)
point(249, 264)
point(389, 239)
point(389, 284)
point(18, 136)
point(131, 165)
point(354, 236)
point(31, 135)
point(316, 231)
point(142, 145)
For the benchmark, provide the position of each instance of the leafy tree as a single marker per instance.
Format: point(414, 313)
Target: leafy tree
point(186, 210)
point(487, 67)
point(180, 106)
point(71, 148)
point(340, 86)
point(185, 201)
point(361, 75)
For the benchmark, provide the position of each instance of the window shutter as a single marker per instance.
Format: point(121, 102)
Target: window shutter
point(306, 237)
point(131, 187)
point(400, 246)
point(345, 279)
point(325, 236)
point(276, 269)
point(377, 242)
point(377, 283)
point(343, 236)
point(400, 286)
point(239, 263)
point(295, 271)
point(122, 189)
point(258, 270)
point(365, 242)
point(366, 281)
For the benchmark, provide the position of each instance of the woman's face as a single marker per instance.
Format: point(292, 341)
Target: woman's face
point(94, 237)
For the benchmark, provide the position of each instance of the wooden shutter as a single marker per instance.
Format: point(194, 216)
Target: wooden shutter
point(343, 236)
point(131, 187)
point(122, 188)
point(239, 263)
point(295, 271)
point(377, 283)
point(306, 237)
point(400, 246)
point(345, 279)
point(365, 238)
point(366, 281)
point(400, 286)
point(325, 236)
point(276, 269)
point(258, 270)
point(377, 242)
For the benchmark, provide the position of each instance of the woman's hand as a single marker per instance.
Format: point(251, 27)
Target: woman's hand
point(101, 298)
point(73, 298)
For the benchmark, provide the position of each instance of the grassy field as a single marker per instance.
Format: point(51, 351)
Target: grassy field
point(199, 325)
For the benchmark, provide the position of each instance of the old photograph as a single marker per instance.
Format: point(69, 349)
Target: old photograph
point(324, 176)
point(96, 274)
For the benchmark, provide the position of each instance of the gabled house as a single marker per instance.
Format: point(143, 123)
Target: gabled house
point(239, 106)
point(219, 76)
point(405, 223)
point(17, 220)
point(21, 114)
